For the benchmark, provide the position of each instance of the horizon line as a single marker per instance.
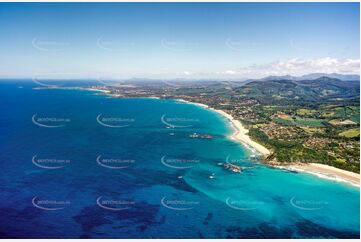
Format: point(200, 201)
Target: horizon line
point(171, 79)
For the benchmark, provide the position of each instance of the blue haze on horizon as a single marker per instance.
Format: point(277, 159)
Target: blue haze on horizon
point(177, 40)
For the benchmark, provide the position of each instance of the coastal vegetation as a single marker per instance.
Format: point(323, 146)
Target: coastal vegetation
point(307, 121)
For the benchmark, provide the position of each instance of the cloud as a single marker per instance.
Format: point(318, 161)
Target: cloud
point(230, 72)
point(297, 67)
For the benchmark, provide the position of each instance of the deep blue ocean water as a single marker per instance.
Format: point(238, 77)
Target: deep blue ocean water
point(76, 164)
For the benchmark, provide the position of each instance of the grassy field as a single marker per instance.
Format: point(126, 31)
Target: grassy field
point(304, 112)
point(313, 130)
point(351, 133)
point(301, 122)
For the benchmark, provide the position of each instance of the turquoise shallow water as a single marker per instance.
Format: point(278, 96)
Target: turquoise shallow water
point(128, 168)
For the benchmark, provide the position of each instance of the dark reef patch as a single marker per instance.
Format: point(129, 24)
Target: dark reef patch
point(139, 216)
point(208, 218)
point(148, 177)
point(304, 229)
point(308, 229)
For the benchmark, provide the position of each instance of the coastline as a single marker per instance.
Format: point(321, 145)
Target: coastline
point(240, 134)
point(325, 172)
point(97, 90)
point(316, 169)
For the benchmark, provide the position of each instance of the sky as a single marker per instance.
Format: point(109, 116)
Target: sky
point(178, 40)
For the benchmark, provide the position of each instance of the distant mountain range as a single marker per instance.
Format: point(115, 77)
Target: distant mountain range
point(312, 76)
point(286, 90)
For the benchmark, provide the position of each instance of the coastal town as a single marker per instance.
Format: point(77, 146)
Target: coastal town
point(286, 130)
point(180, 120)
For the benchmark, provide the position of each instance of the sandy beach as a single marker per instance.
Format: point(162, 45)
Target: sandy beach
point(241, 134)
point(326, 172)
point(320, 170)
point(97, 90)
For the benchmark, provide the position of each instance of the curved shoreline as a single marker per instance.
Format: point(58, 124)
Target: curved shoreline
point(320, 170)
point(325, 172)
point(240, 134)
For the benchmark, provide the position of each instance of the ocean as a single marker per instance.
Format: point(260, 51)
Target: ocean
point(79, 164)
